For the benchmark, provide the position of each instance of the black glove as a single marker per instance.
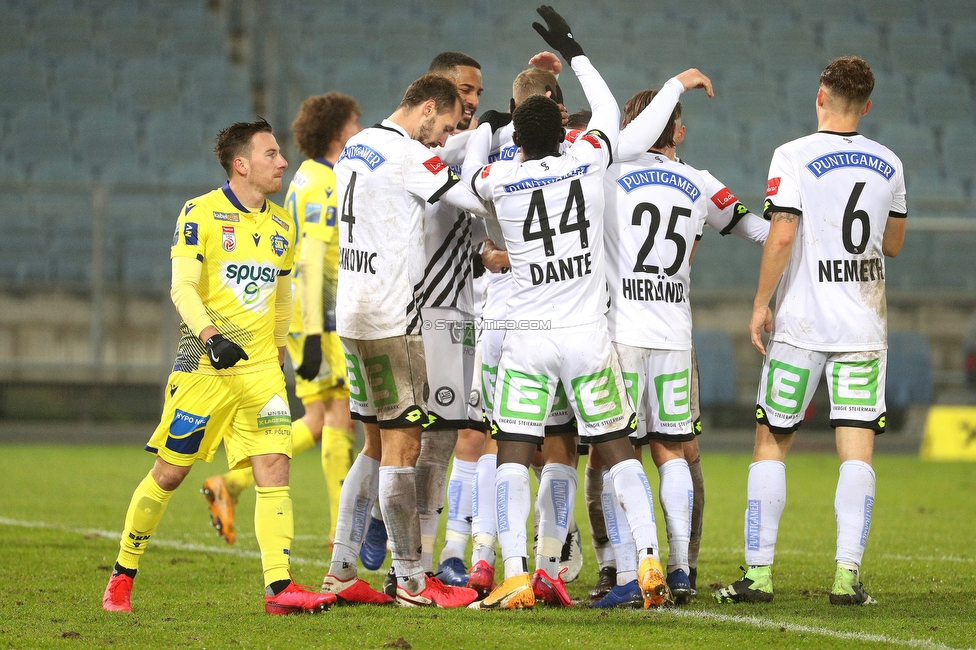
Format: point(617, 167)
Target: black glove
point(558, 36)
point(557, 94)
point(496, 119)
point(311, 358)
point(223, 353)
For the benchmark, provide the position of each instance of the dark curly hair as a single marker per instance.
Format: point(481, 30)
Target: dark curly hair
point(235, 141)
point(320, 120)
point(538, 126)
point(636, 105)
point(850, 79)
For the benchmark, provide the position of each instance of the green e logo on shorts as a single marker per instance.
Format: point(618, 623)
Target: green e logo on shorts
point(560, 402)
point(597, 396)
point(855, 383)
point(673, 396)
point(785, 386)
point(380, 374)
point(488, 377)
point(355, 378)
point(524, 396)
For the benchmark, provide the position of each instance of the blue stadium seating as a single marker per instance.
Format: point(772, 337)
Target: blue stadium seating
point(716, 367)
point(910, 379)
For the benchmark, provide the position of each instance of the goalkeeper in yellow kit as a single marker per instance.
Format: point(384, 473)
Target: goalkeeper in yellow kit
point(323, 125)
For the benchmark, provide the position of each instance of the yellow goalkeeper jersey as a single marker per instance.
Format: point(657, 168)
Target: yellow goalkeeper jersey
point(243, 254)
point(313, 204)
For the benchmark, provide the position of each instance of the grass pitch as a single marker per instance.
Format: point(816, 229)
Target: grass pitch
point(62, 507)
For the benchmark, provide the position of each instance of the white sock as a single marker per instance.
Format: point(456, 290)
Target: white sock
point(537, 470)
point(556, 498)
point(483, 523)
point(634, 493)
point(459, 516)
point(593, 491)
point(677, 496)
point(398, 501)
point(618, 530)
point(357, 498)
point(766, 493)
point(853, 505)
point(436, 448)
point(512, 505)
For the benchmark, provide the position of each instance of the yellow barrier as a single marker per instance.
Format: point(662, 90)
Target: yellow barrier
point(950, 433)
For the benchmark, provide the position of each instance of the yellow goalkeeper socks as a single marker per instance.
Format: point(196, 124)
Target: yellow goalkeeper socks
point(337, 448)
point(301, 437)
point(274, 527)
point(145, 511)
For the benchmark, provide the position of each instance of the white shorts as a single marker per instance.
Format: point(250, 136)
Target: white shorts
point(560, 419)
point(449, 346)
point(855, 383)
point(659, 383)
point(532, 366)
point(387, 381)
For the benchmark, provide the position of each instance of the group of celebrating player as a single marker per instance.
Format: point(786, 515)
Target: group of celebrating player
point(582, 341)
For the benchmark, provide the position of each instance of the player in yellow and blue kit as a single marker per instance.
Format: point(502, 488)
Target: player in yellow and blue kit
point(230, 248)
point(323, 125)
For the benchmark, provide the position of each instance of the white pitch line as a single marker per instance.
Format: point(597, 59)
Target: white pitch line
point(807, 629)
point(827, 553)
point(165, 543)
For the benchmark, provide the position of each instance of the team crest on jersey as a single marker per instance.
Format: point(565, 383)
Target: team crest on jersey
point(190, 234)
point(228, 238)
point(369, 156)
point(313, 212)
point(435, 165)
point(280, 223)
point(723, 198)
point(772, 186)
point(278, 244)
point(227, 216)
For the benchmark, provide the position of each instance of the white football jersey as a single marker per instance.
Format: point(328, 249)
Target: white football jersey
point(654, 214)
point(844, 187)
point(449, 246)
point(728, 215)
point(551, 214)
point(385, 179)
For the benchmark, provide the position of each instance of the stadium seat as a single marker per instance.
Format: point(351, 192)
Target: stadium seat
point(915, 48)
point(725, 43)
point(145, 263)
point(786, 44)
point(128, 31)
point(63, 30)
point(716, 367)
point(107, 137)
point(83, 81)
point(910, 379)
point(23, 258)
point(942, 97)
point(915, 145)
point(749, 95)
point(949, 12)
point(962, 42)
point(712, 145)
point(13, 31)
point(890, 99)
point(842, 38)
point(22, 80)
point(959, 150)
point(883, 11)
point(148, 83)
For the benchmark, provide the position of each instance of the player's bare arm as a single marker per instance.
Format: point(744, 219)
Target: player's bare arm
point(776, 254)
point(894, 236)
point(494, 258)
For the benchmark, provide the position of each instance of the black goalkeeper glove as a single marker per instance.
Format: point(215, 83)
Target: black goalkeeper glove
point(311, 358)
point(223, 353)
point(496, 119)
point(558, 36)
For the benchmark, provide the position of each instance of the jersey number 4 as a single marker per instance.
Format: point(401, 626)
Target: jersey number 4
point(347, 215)
point(537, 207)
point(681, 246)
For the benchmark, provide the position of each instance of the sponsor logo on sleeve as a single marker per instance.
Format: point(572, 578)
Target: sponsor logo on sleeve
point(190, 237)
point(772, 186)
point(593, 140)
point(723, 198)
point(280, 222)
point(330, 216)
point(485, 171)
point(278, 244)
point(227, 216)
point(228, 238)
point(573, 134)
point(313, 212)
point(434, 165)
